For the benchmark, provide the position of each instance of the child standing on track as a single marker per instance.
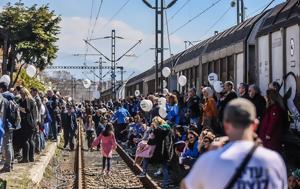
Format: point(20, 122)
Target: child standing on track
point(108, 144)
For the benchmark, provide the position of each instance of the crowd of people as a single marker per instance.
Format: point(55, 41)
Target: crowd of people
point(195, 124)
point(29, 118)
point(233, 135)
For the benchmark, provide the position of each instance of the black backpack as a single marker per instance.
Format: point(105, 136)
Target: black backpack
point(15, 116)
point(168, 145)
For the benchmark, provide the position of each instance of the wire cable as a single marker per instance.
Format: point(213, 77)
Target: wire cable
point(96, 19)
point(116, 14)
point(215, 23)
point(196, 16)
point(257, 10)
point(180, 9)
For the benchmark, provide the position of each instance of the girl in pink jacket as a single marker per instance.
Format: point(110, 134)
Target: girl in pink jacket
point(108, 144)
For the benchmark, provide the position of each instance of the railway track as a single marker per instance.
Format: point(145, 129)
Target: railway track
point(88, 168)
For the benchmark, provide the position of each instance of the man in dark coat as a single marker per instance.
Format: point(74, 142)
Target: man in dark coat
point(228, 96)
point(69, 125)
point(243, 91)
point(52, 105)
point(258, 100)
point(193, 107)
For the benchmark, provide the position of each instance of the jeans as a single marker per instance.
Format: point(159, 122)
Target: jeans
point(8, 148)
point(43, 142)
point(104, 161)
point(46, 129)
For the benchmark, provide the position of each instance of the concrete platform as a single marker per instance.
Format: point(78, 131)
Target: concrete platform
point(28, 175)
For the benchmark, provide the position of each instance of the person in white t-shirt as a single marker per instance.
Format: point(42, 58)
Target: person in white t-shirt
point(215, 169)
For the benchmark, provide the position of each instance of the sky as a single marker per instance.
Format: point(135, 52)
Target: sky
point(133, 22)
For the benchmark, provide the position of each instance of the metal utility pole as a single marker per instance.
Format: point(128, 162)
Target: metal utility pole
point(240, 11)
point(113, 63)
point(159, 35)
point(113, 59)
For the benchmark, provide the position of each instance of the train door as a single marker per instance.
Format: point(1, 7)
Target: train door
point(292, 81)
point(277, 58)
point(263, 63)
point(239, 68)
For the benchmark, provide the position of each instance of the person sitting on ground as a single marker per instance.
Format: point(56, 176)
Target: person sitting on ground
point(190, 153)
point(294, 180)
point(205, 139)
point(241, 160)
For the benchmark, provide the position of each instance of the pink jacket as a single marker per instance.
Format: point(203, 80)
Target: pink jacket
point(108, 144)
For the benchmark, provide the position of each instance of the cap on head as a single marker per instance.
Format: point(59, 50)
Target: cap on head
point(240, 113)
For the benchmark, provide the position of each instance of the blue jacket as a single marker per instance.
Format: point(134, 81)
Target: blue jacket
point(120, 115)
point(173, 114)
point(7, 119)
point(191, 152)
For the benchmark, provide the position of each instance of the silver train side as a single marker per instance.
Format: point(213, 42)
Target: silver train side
point(262, 49)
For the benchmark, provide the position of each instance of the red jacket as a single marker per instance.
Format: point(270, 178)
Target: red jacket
point(272, 125)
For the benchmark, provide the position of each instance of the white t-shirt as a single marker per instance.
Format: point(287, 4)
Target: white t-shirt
point(214, 169)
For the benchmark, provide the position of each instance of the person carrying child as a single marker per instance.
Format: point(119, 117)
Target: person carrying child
point(108, 143)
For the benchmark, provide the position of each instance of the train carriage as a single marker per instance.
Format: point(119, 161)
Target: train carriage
point(278, 54)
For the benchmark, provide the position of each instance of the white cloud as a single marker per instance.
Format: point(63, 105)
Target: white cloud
point(75, 29)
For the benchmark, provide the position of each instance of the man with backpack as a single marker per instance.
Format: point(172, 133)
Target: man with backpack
point(241, 163)
point(8, 124)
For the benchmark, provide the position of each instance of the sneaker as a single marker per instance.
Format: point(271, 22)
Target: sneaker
point(108, 172)
point(142, 175)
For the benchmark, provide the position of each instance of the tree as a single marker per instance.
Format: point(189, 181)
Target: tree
point(32, 35)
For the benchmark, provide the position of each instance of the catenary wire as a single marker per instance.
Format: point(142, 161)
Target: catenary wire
point(196, 16)
point(116, 14)
point(180, 9)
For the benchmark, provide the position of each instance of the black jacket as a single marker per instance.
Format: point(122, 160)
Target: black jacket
point(230, 96)
point(160, 134)
point(260, 105)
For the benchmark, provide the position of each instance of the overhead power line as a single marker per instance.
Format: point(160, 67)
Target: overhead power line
point(217, 21)
point(96, 19)
point(116, 14)
point(257, 10)
point(196, 16)
point(180, 9)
